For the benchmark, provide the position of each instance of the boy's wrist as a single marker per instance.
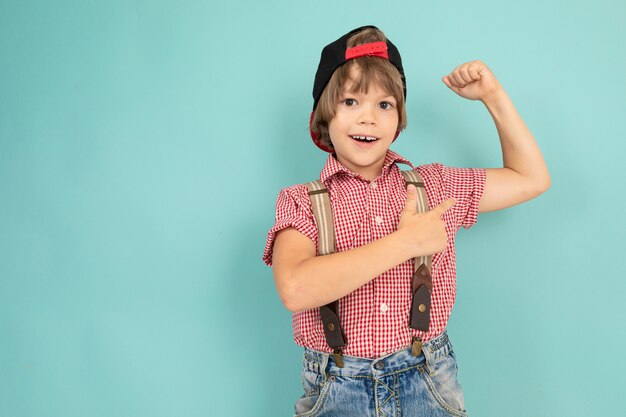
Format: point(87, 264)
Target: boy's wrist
point(404, 246)
point(494, 98)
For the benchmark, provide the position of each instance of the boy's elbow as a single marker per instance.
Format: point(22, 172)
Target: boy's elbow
point(535, 191)
point(287, 293)
point(289, 301)
point(544, 185)
point(535, 186)
point(293, 303)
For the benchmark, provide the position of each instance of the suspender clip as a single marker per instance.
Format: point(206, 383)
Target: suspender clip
point(416, 346)
point(338, 356)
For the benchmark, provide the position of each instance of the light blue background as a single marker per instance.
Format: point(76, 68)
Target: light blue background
point(142, 147)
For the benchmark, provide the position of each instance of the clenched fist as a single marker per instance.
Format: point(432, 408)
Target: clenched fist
point(473, 81)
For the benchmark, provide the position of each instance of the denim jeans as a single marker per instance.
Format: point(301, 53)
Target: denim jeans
point(398, 384)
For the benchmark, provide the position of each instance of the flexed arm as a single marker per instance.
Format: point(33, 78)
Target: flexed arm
point(524, 175)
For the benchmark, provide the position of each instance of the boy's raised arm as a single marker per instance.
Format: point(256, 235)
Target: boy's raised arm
point(524, 174)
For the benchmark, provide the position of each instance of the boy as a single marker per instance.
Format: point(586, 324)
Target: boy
point(376, 351)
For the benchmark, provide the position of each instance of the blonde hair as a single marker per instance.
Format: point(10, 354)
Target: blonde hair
point(369, 69)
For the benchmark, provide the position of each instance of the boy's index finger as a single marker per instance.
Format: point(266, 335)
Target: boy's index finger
point(443, 206)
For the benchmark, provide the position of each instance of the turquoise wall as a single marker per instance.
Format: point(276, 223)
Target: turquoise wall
point(142, 147)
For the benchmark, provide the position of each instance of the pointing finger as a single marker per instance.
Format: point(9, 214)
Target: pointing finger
point(443, 206)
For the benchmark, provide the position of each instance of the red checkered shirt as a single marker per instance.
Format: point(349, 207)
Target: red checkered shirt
point(375, 317)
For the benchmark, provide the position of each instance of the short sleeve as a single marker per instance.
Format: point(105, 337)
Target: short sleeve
point(293, 209)
point(465, 185)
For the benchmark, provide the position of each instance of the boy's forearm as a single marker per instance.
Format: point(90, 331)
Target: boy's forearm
point(520, 152)
point(320, 280)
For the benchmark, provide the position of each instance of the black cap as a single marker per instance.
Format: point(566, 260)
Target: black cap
point(334, 55)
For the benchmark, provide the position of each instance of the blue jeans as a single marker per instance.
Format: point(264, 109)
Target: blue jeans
point(398, 384)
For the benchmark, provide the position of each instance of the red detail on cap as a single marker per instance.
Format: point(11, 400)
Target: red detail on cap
point(316, 137)
point(372, 48)
point(396, 136)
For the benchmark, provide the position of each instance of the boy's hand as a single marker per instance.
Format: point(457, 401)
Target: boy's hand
point(473, 80)
point(424, 233)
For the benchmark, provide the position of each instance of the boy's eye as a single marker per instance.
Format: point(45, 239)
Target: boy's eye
point(386, 105)
point(349, 101)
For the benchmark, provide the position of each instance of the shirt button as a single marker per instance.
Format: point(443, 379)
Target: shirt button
point(373, 184)
point(379, 365)
point(378, 219)
point(384, 307)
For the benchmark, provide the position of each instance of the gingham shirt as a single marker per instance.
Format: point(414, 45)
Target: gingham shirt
point(375, 317)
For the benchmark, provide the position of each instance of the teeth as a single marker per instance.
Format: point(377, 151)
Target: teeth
point(369, 138)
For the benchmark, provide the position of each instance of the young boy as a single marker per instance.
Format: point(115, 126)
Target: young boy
point(371, 313)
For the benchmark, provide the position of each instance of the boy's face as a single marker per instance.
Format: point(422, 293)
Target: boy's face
point(357, 114)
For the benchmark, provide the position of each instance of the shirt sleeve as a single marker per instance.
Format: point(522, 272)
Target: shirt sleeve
point(293, 209)
point(465, 185)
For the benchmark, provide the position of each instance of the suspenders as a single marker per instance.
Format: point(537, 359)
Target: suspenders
point(421, 284)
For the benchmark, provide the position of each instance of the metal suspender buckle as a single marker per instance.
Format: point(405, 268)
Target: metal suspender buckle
point(338, 356)
point(416, 346)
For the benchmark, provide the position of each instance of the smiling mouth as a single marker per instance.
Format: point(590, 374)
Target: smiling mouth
point(360, 138)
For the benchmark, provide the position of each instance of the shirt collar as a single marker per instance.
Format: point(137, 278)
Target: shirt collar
point(333, 167)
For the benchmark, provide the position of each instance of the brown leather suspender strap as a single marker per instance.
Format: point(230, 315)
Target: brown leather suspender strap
point(421, 284)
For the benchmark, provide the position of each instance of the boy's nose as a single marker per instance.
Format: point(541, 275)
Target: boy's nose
point(367, 115)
